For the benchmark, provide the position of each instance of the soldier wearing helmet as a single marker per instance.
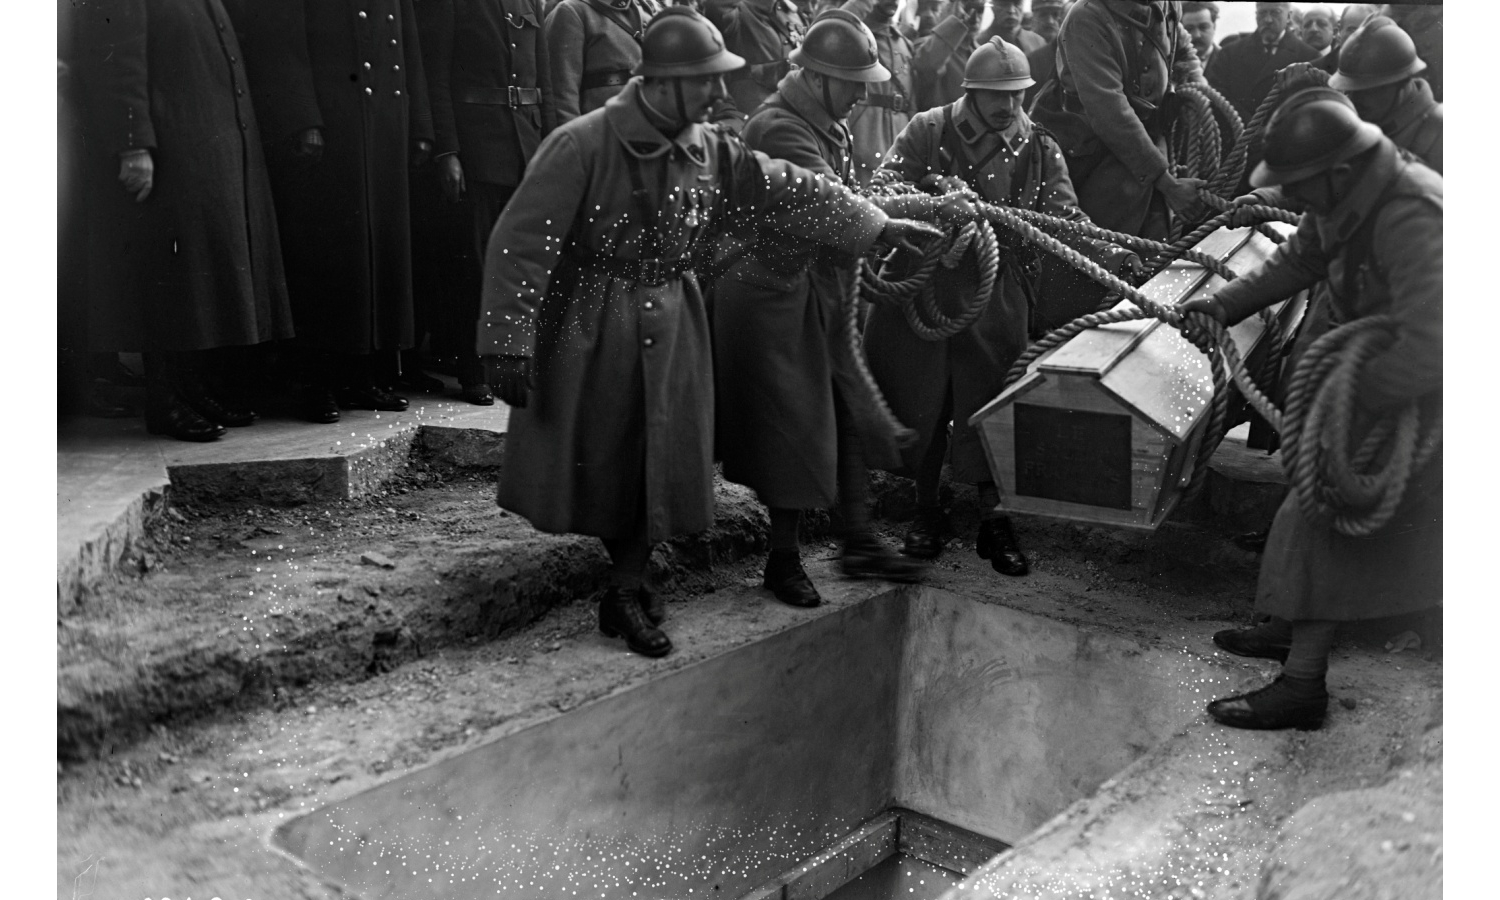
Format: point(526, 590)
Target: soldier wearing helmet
point(887, 105)
point(592, 323)
point(795, 420)
point(1374, 232)
point(764, 32)
point(983, 140)
point(1379, 69)
point(938, 58)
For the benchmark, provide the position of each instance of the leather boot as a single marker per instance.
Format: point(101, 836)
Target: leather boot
point(215, 410)
point(997, 543)
point(653, 606)
point(786, 578)
point(928, 533)
point(620, 615)
point(1284, 703)
point(168, 415)
point(866, 556)
point(1252, 642)
point(368, 396)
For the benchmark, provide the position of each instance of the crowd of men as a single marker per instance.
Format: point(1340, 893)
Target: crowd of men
point(639, 228)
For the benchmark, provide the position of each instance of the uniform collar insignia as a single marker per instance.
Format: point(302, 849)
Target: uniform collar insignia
point(640, 138)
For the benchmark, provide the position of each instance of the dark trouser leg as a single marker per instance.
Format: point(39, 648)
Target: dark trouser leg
point(621, 609)
point(1298, 698)
point(1312, 640)
point(996, 541)
point(784, 574)
point(864, 555)
point(929, 529)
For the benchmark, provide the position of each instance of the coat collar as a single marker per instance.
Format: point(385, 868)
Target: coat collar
point(1416, 102)
point(794, 89)
point(972, 129)
point(1340, 224)
point(640, 138)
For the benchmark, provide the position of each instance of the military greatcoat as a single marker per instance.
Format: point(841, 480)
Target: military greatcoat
point(764, 32)
point(196, 265)
point(916, 375)
point(1116, 63)
point(1416, 124)
point(592, 46)
point(1381, 252)
point(938, 61)
point(617, 438)
point(877, 119)
point(781, 339)
point(353, 69)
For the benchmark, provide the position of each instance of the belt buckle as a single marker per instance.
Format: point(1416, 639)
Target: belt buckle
point(652, 272)
point(513, 94)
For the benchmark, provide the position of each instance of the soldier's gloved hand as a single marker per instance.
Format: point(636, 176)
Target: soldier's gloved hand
point(421, 151)
point(1204, 306)
point(451, 176)
point(512, 378)
point(137, 173)
point(903, 233)
point(308, 146)
point(1181, 193)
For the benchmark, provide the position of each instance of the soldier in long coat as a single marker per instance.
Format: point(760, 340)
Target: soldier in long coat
point(182, 239)
point(1117, 63)
point(1378, 69)
point(985, 140)
point(589, 297)
point(592, 46)
point(795, 422)
point(764, 33)
point(888, 105)
point(1374, 232)
point(342, 98)
point(938, 58)
point(491, 97)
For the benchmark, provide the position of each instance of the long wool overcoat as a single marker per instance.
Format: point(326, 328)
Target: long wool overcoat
point(780, 334)
point(196, 265)
point(876, 120)
point(914, 374)
point(592, 46)
point(764, 32)
point(617, 439)
point(1381, 252)
point(354, 69)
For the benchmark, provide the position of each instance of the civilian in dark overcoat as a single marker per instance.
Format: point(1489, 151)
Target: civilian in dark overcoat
point(182, 237)
point(343, 102)
point(491, 92)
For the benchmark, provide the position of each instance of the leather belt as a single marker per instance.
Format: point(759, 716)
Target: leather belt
point(651, 272)
point(615, 78)
point(893, 102)
point(498, 96)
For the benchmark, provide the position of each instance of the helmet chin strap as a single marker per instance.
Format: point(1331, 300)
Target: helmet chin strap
point(827, 97)
point(979, 113)
point(681, 104)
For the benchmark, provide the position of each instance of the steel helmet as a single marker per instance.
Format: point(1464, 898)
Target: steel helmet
point(1378, 53)
point(680, 42)
point(997, 66)
point(1314, 130)
point(839, 45)
point(1044, 4)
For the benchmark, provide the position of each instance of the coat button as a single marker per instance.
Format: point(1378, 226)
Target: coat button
point(648, 342)
point(363, 14)
point(393, 42)
point(648, 304)
point(395, 68)
point(368, 92)
point(398, 93)
point(390, 18)
point(367, 67)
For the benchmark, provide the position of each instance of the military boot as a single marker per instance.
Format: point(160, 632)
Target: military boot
point(786, 578)
point(866, 556)
point(620, 615)
point(997, 543)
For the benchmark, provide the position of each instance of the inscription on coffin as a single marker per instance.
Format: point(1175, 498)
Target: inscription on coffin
point(1073, 456)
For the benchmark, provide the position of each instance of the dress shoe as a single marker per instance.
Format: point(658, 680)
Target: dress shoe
point(214, 410)
point(318, 405)
point(1254, 541)
point(1252, 642)
point(620, 615)
point(371, 397)
point(786, 578)
point(174, 418)
point(997, 543)
point(866, 556)
point(653, 606)
point(928, 533)
point(478, 394)
point(1284, 703)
